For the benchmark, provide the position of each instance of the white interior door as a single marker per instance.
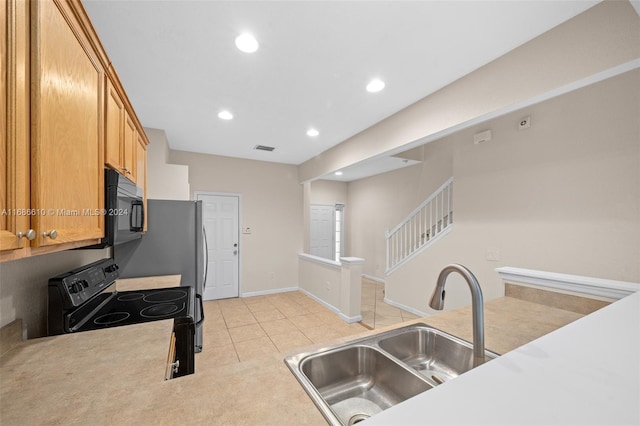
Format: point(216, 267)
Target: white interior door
point(220, 215)
point(322, 231)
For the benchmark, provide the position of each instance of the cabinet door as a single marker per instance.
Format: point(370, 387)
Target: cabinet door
point(14, 127)
point(66, 142)
point(129, 148)
point(114, 129)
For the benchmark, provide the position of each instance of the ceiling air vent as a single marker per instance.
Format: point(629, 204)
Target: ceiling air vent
point(264, 148)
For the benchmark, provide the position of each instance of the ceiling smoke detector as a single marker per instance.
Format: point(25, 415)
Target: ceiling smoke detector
point(264, 148)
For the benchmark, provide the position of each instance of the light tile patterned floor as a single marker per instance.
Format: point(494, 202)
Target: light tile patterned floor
point(375, 312)
point(240, 329)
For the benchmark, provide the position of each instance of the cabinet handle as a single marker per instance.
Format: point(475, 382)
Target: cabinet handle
point(30, 234)
point(53, 234)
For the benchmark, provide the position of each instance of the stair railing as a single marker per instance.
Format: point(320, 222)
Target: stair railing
point(421, 228)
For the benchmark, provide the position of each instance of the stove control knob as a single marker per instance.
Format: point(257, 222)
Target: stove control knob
point(82, 284)
point(111, 268)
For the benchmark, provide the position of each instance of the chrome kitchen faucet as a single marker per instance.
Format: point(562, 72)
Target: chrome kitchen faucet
point(477, 306)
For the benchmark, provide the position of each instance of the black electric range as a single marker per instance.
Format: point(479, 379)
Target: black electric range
point(86, 299)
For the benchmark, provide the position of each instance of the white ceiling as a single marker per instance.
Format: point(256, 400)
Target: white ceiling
point(179, 65)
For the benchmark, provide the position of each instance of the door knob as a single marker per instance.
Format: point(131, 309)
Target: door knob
point(53, 234)
point(30, 234)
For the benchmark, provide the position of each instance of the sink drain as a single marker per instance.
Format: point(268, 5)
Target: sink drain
point(358, 418)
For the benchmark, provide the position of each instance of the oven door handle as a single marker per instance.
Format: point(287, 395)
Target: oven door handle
point(201, 320)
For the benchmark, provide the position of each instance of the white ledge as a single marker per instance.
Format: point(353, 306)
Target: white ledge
point(321, 260)
point(574, 283)
point(352, 260)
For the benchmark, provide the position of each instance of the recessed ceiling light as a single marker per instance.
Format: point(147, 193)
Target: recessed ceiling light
point(247, 43)
point(225, 115)
point(313, 133)
point(375, 85)
point(338, 173)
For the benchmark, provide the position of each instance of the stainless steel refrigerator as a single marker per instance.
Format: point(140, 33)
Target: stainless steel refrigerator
point(175, 243)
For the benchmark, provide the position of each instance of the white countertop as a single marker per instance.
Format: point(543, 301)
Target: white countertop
point(585, 373)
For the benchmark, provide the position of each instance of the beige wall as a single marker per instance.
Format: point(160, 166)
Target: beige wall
point(164, 181)
point(23, 286)
point(328, 192)
point(271, 207)
point(335, 284)
point(601, 38)
point(380, 202)
point(321, 280)
point(562, 196)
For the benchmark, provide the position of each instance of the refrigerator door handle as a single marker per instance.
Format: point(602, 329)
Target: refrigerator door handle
point(201, 320)
point(206, 259)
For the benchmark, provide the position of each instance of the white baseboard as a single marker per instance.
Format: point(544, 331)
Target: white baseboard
point(266, 292)
point(350, 320)
point(332, 308)
point(406, 308)
point(322, 302)
point(372, 278)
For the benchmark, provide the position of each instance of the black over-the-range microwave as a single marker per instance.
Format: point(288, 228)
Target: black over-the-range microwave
point(123, 210)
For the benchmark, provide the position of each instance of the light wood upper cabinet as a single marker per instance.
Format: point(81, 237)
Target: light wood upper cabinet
point(14, 128)
point(114, 127)
point(129, 148)
point(63, 116)
point(121, 134)
point(52, 123)
point(67, 177)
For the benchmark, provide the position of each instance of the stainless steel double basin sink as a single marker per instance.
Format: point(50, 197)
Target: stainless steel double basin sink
point(353, 381)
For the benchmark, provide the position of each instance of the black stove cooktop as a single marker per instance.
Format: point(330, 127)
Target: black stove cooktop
point(85, 299)
point(132, 307)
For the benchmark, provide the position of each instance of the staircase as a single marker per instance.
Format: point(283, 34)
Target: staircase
point(430, 221)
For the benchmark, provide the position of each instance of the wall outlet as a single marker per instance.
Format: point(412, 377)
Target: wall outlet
point(525, 123)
